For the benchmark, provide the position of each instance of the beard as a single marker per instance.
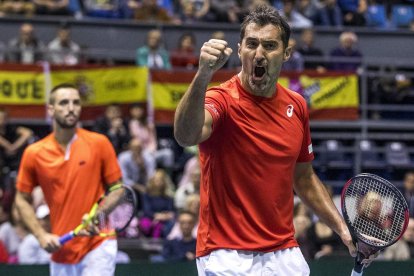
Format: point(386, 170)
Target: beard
point(62, 123)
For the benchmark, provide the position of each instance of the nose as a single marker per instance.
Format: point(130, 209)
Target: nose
point(259, 55)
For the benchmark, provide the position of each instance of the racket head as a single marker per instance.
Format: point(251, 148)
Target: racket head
point(116, 211)
point(375, 211)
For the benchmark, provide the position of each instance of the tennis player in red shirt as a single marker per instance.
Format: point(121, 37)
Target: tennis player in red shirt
point(255, 151)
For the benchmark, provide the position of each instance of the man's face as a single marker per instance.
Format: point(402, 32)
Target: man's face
point(409, 182)
point(262, 54)
point(67, 107)
point(187, 224)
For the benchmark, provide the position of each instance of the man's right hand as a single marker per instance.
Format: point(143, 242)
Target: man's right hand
point(213, 55)
point(49, 242)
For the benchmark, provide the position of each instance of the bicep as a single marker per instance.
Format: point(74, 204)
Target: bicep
point(303, 176)
point(207, 127)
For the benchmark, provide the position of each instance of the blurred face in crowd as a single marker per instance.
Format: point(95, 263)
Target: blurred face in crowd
point(409, 181)
point(347, 40)
point(65, 107)
point(307, 37)
point(154, 39)
point(187, 223)
point(135, 146)
point(64, 37)
point(262, 54)
point(187, 43)
point(137, 112)
point(26, 33)
point(112, 111)
point(409, 233)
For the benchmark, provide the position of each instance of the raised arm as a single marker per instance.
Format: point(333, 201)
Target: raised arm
point(312, 192)
point(192, 124)
point(47, 241)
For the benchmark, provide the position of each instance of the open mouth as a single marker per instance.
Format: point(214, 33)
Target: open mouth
point(259, 71)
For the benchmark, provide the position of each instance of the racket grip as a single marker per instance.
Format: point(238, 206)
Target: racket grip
point(67, 237)
point(354, 273)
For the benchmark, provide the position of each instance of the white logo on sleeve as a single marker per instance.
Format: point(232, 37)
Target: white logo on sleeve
point(289, 111)
point(310, 149)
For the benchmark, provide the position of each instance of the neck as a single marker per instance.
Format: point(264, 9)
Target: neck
point(187, 238)
point(64, 135)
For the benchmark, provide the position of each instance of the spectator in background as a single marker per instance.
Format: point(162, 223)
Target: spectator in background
point(409, 191)
point(102, 8)
point(113, 126)
point(308, 50)
point(52, 7)
point(153, 54)
point(150, 11)
point(182, 249)
point(62, 50)
point(192, 205)
point(348, 57)
point(137, 166)
point(294, 18)
point(184, 55)
point(142, 128)
point(187, 189)
point(408, 236)
point(194, 11)
point(353, 12)
point(13, 140)
point(26, 48)
point(225, 11)
point(331, 14)
point(295, 63)
point(8, 235)
point(17, 7)
point(30, 251)
point(158, 205)
point(311, 9)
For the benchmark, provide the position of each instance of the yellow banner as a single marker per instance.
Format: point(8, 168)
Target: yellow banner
point(107, 85)
point(331, 92)
point(22, 87)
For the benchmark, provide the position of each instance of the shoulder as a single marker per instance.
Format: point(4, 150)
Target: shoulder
point(295, 97)
point(38, 146)
point(92, 136)
point(224, 90)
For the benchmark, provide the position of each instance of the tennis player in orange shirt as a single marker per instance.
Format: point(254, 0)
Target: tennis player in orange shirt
point(73, 167)
point(255, 151)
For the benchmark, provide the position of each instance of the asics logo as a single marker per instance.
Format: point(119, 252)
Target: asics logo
point(289, 111)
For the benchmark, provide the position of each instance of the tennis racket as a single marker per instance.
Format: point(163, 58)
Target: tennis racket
point(110, 215)
point(376, 214)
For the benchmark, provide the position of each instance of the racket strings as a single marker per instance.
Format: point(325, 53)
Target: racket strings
point(118, 216)
point(375, 211)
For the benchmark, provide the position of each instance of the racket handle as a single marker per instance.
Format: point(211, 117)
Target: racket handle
point(354, 273)
point(67, 237)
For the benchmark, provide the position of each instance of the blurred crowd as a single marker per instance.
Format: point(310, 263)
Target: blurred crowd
point(300, 13)
point(27, 48)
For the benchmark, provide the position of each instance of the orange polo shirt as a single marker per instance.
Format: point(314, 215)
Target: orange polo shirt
point(72, 182)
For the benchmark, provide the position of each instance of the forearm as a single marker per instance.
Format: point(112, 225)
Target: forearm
point(28, 215)
point(189, 116)
point(314, 194)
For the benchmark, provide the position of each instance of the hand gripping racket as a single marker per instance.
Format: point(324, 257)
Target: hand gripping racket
point(376, 214)
point(110, 215)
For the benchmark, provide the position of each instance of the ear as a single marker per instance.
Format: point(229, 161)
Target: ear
point(238, 49)
point(50, 110)
point(287, 53)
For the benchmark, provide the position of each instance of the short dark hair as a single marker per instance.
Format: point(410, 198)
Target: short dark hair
point(264, 15)
point(57, 87)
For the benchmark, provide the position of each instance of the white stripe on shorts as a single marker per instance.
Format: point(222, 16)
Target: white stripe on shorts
point(226, 262)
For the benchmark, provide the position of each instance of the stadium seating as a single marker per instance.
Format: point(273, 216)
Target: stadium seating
point(376, 16)
point(402, 15)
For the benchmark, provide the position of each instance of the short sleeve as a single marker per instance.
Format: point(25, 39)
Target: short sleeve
point(306, 152)
point(26, 178)
point(215, 104)
point(111, 172)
